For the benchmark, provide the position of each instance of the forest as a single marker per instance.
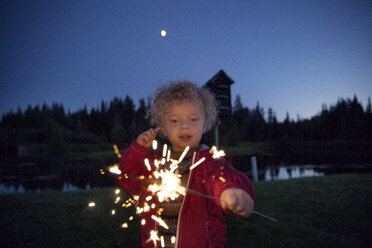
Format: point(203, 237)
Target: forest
point(52, 129)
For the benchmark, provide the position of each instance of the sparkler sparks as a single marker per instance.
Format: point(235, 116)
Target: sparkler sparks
point(115, 169)
point(216, 153)
point(154, 237)
point(166, 186)
point(154, 145)
point(162, 241)
point(160, 221)
point(197, 163)
point(116, 151)
point(147, 163)
point(183, 154)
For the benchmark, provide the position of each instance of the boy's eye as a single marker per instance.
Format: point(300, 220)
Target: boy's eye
point(194, 119)
point(173, 121)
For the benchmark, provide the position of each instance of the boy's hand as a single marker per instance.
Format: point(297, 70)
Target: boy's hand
point(145, 139)
point(237, 201)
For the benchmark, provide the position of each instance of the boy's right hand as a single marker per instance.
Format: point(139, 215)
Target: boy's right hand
point(145, 139)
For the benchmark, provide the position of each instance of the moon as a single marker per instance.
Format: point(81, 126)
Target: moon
point(163, 33)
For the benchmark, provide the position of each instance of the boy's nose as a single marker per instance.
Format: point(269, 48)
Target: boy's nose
point(185, 124)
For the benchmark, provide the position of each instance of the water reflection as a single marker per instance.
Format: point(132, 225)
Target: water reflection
point(43, 175)
point(86, 175)
point(289, 172)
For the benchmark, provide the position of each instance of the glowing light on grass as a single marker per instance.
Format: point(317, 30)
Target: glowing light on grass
point(92, 204)
point(124, 225)
point(173, 240)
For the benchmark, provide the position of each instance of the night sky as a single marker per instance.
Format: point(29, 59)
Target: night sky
point(292, 56)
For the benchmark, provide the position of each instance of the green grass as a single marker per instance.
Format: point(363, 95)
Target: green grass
point(331, 211)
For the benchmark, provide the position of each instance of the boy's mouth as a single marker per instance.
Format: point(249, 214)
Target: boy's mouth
point(185, 137)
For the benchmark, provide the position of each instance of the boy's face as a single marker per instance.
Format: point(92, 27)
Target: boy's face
point(184, 124)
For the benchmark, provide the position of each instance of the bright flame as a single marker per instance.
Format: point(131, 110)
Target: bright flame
point(170, 186)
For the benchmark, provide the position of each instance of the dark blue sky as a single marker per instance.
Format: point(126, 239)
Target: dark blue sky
point(292, 56)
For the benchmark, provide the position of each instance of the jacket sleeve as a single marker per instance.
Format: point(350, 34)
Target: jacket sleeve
point(223, 175)
point(131, 166)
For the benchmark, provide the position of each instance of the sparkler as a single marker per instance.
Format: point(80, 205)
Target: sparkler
point(167, 187)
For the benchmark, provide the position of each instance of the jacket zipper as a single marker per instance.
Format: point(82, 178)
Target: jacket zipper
point(179, 215)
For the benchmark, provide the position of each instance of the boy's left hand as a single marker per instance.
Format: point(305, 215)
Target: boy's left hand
point(237, 201)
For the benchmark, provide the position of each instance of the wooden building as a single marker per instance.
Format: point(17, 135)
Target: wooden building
point(220, 85)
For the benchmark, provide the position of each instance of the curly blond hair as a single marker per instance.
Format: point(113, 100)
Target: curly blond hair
point(182, 90)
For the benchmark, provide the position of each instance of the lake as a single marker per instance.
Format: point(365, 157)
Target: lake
point(20, 177)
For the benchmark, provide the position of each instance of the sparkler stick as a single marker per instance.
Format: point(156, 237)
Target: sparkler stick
point(219, 199)
point(169, 188)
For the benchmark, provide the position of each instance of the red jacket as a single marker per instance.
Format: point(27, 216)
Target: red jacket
point(201, 221)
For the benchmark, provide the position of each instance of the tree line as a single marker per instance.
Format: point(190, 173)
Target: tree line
point(346, 120)
point(120, 121)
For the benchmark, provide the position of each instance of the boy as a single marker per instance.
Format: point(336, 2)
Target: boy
point(184, 112)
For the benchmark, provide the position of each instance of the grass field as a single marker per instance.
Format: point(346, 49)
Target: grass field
point(332, 211)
